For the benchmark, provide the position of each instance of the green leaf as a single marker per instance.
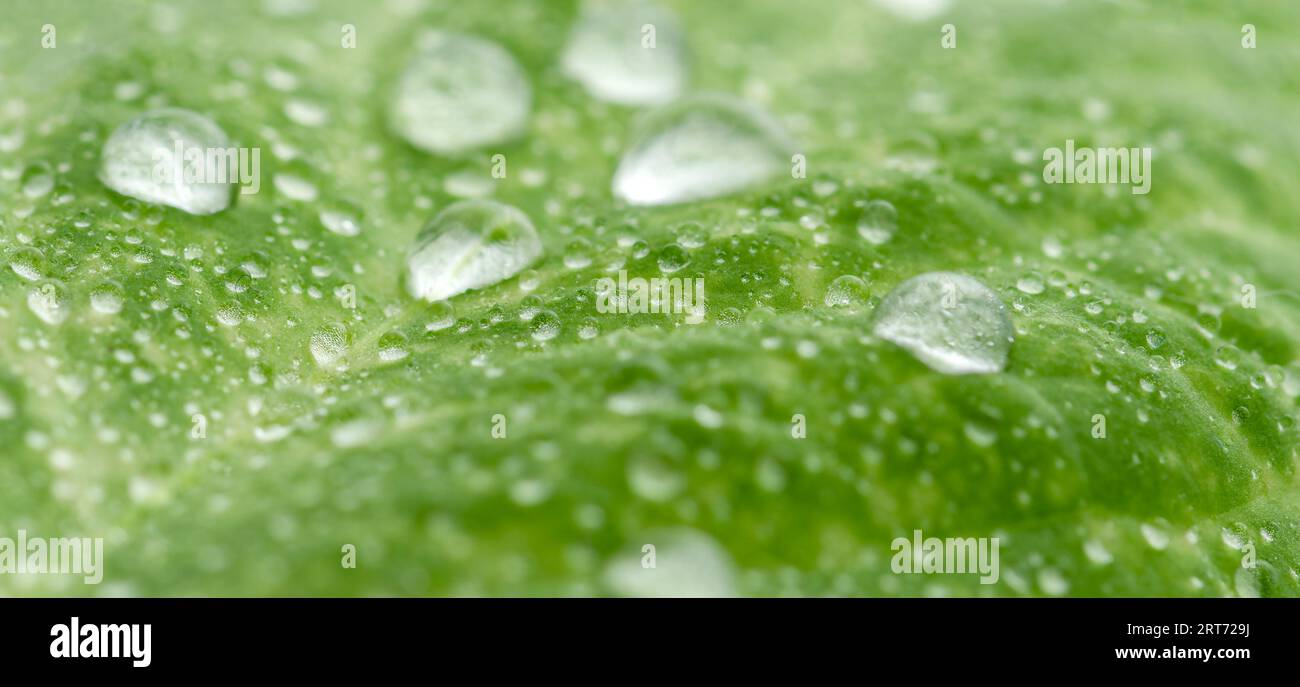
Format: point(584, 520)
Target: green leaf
point(656, 431)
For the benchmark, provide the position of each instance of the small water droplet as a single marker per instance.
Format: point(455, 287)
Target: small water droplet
point(48, 300)
point(878, 222)
point(609, 53)
point(329, 344)
point(1031, 284)
point(672, 258)
point(37, 180)
point(392, 347)
point(544, 326)
point(847, 293)
point(107, 298)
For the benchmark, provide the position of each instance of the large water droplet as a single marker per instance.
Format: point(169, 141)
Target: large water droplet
point(949, 321)
point(459, 93)
point(700, 147)
point(139, 160)
point(628, 52)
point(469, 245)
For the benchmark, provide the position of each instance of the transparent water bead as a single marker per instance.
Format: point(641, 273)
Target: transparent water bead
point(701, 147)
point(951, 322)
point(139, 160)
point(459, 93)
point(627, 51)
point(470, 245)
point(688, 563)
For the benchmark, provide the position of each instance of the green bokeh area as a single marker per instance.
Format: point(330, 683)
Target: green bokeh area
point(656, 431)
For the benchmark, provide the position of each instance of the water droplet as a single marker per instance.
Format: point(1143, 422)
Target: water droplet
point(700, 147)
point(392, 347)
point(459, 93)
point(1227, 357)
point(544, 326)
point(107, 298)
point(691, 235)
point(878, 222)
point(654, 480)
point(848, 293)
point(441, 316)
point(469, 245)
point(149, 143)
point(1155, 338)
point(1031, 284)
point(672, 258)
point(951, 322)
point(294, 187)
point(329, 344)
point(577, 254)
point(1155, 537)
point(610, 55)
point(589, 329)
point(27, 262)
point(37, 180)
point(688, 563)
point(340, 221)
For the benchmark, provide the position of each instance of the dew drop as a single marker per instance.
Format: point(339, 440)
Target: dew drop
point(392, 347)
point(458, 93)
point(107, 298)
point(544, 326)
point(848, 293)
point(328, 344)
point(340, 221)
point(469, 245)
point(37, 180)
point(878, 222)
point(672, 258)
point(609, 52)
point(700, 147)
point(441, 316)
point(951, 322)
point(149, 142)
point(48, 300)
point(27, 262)
point(1031, 284)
